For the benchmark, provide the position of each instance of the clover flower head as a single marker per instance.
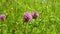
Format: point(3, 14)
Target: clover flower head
point(2, 16)
point(35, 15)
point(27, 16)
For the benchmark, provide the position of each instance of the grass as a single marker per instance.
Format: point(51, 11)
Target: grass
point(48, 21)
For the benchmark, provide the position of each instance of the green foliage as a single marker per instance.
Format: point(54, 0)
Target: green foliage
point(48, 21)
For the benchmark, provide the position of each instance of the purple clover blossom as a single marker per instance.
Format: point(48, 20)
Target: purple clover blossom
point(2, 16)
point(35, 15)
point(27, 17)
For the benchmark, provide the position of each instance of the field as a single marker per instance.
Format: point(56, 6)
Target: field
point(48, 21)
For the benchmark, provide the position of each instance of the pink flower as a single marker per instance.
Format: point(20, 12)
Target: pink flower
point(27, 17)
point(35, 15)
point(2, 16)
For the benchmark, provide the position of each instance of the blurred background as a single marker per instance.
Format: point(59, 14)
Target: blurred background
point(48, 21)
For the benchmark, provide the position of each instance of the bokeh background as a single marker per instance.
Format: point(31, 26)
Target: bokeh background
point(48, 21)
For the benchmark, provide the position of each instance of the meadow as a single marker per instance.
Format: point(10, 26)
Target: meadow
point(48, 21)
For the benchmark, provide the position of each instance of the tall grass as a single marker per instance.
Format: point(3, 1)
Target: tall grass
point(48, 21)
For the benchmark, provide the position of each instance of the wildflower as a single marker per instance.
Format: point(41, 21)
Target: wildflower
point(2, 17)
point(27, 17)
point(35, 15)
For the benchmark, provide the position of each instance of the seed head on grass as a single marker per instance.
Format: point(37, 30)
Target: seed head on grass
point(27, 17)
point(2, 16)
point(35, 15)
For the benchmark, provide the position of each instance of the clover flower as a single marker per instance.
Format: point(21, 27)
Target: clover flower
point(35, 15)
point(27, 16)
point(2, 16)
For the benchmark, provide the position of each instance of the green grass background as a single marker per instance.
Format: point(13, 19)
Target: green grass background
point(48, 21)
